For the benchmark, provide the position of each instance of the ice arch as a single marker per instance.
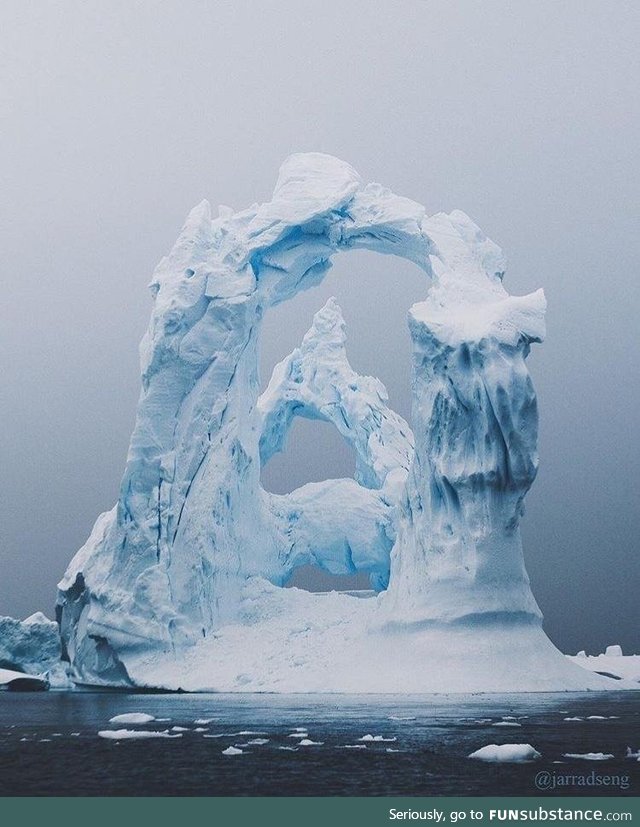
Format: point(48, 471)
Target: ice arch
point(167, 565)
point(344, 526)
point(177, 586)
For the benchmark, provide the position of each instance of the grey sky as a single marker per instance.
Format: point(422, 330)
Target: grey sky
point(117, 117)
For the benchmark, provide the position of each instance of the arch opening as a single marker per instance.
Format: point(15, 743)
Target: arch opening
point(311, 578)
point(314, 451)
point(375, 292)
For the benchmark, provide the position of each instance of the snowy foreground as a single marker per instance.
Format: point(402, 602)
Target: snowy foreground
point(180, 584)
point(337, 628)
point(335, 643)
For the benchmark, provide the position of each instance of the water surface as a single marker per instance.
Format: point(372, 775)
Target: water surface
point(49, 744)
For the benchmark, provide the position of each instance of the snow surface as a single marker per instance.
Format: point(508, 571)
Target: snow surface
point(179, 585)
point(506, 753)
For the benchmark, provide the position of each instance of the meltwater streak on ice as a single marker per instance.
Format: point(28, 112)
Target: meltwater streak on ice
point(49, 743)
point(179, 585)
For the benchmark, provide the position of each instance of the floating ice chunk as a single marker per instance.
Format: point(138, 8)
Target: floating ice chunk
point(596, 717)
point(258, 742)
point(9, 678)
point(289, 749)
point(300, 729)
point(513, 753)
point(631, 754)
point(576, 718)
point(391, 749)
point(133, 734)
point(614, 651)
point(250, 732)
point(506, 723)
point(377, 738)
point(401, 717)
point(232, 751)
point(354, 746)
point(299, 735)
point(179, 729)
point(200, 729)
point(589, 756)
point(221, 735)
point(132, 718)
point(509, 718)
point(307, 742)
point(203, 721)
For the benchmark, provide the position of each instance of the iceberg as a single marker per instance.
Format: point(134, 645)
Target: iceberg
point(30, 645)
point(179, 585)
point(612, 663)
point(33, 646)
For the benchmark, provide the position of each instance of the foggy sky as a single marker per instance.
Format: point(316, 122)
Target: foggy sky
point(119, 116)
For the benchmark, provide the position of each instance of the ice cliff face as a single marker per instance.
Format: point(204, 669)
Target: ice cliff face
point(179, 583)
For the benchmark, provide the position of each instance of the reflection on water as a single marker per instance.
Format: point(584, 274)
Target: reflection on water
point(313, 744)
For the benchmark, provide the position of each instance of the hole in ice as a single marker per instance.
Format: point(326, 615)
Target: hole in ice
point(375, 292)
point(314, 452)
point(315, 579)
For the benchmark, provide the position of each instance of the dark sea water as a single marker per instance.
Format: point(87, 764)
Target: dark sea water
point(49, 744)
